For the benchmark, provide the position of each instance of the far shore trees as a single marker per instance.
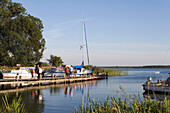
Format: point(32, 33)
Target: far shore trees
point(55, 61)
point(21, 40)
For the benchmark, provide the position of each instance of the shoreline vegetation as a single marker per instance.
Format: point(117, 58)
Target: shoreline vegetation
point(124, 104)
point(109, 72)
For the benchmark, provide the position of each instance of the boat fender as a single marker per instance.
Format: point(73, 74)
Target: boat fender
point(16, 77)
point(149, 78)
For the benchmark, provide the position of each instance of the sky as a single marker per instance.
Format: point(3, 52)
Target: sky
point(119, 32)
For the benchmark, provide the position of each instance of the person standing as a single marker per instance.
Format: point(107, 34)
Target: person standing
point(37, 70)
point(40, 72)
point(71, 70)
point(32, 73)
point(66, 71)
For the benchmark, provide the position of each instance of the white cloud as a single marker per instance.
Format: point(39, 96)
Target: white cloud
point(53, 34)
point(58, 30)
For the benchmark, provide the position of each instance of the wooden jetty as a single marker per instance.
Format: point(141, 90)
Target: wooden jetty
point(19, 83)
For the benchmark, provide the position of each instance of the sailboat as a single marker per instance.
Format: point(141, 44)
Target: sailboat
point(80, 69)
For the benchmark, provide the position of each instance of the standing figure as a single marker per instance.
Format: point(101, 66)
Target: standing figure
point(40, 73)
point(37, 70)
point(66, 71)
point(71, 70)
point(32, 73)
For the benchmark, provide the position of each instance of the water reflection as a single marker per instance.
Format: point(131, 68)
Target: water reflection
point(33, 100)
point(65, 90)
point(157, 96)
point(78, 87)
point(55, 89)
point(37, 96)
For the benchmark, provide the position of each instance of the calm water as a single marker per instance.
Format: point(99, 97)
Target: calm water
point(64, 98)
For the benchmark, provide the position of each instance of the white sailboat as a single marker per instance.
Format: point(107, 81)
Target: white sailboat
point(80, 69)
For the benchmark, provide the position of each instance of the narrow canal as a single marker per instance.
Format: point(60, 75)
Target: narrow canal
point(65, 98)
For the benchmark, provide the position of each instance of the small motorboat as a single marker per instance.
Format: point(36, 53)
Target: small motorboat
point(20, 73)
point(54, 72)
point(159, 86)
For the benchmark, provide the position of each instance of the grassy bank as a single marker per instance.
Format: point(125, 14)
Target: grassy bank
point(110, 72)
point(129, 104)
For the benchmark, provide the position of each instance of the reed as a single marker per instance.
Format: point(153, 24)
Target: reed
point(110, 72)
point(125, 104)
point(16, 106)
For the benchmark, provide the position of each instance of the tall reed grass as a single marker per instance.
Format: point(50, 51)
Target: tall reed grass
point(124, 104)
point(16, 106)
point(109, 72)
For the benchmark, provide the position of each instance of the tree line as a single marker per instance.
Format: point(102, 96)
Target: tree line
point(21, 40)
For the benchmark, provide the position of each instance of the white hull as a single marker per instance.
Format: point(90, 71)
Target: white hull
point(22, 73)
point(15, 76)
point(155, 88)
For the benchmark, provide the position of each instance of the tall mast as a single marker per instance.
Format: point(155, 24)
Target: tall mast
point(86, 44)
point(83, 42)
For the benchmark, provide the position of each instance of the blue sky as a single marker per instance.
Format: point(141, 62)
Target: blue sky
point(119, 32)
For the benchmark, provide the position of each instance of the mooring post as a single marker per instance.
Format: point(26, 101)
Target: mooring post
point(106, 75)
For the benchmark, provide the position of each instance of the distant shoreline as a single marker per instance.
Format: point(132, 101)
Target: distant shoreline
point(149, 66)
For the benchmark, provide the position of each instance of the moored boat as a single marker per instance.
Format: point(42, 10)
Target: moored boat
point(20, 73)
point(54, 72)
point(159, 86)
point(80, 69)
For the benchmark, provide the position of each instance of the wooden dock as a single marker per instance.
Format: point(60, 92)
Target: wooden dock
point(20, 83)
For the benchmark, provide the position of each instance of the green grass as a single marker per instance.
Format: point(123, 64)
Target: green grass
point(16, 106)
point(129, 104)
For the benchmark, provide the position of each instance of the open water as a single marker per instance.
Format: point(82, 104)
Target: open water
point(66, 98)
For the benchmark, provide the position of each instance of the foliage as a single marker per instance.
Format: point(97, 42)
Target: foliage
point(21, 40)
point(127, 105)
point(17, 106)
point(55, 61)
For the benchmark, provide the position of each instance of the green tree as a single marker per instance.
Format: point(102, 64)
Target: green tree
point(55, 61)
point(21, 40)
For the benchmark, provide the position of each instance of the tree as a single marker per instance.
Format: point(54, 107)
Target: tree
point(21, 40)
point(55, 61)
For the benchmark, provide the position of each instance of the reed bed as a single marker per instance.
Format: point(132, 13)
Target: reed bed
point(16, 106)
point(110, 72)
point(124, 104)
